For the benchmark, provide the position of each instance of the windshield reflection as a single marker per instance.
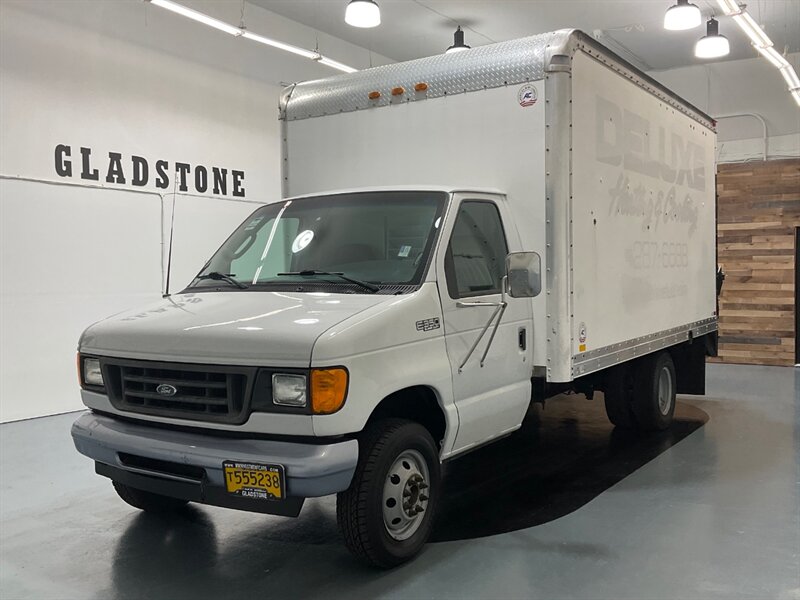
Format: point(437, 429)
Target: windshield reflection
point(359, 243)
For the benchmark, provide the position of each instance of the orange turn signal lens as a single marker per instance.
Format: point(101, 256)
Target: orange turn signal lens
point(421, 87)
point(398, 91)
point(328, 390)
point(374, 95)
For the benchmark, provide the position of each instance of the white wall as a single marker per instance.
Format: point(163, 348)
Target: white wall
point(742, 86)
point(122, 77)
point(127, 77)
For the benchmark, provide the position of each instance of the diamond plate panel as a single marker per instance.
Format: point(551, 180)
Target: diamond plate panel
point(495, 65)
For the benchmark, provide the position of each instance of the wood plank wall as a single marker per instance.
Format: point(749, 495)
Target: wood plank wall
point(759, 209)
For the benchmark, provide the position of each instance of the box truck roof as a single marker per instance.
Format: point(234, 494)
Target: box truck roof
point(448, 189)
point(495, 65)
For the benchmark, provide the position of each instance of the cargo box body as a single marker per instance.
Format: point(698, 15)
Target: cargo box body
point(610, 178)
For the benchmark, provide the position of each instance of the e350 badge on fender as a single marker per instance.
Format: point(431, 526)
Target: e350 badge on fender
point(428, 324)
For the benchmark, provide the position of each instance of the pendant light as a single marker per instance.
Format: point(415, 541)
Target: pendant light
point(458, 42)
point(682, 16)
point(362, 13)
point(712, 45)
point(763, 44)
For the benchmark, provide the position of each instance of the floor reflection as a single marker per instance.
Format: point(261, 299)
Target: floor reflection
point(563, 457)
point(157, 548)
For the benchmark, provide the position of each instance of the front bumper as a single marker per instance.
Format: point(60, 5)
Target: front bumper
point(311, 469)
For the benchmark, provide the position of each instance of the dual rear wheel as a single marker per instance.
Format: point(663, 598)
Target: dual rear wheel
point(641, 394)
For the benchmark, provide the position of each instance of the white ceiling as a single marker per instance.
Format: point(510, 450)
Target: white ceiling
point(633, 28)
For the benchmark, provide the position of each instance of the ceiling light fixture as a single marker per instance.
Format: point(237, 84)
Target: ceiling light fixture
point(458, 42)
point(682, 16)
point(280, 45)
point(760, 40)
point(791, 78)
point(712, 45)
point(757, 35)
point(182, 10)
point(773, 56)
point(334, 64)
point(729, 7)
point(197, 16)
point(362, 13)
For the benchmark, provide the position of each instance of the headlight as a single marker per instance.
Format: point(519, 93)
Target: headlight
point(92, 375)
point(289, 390)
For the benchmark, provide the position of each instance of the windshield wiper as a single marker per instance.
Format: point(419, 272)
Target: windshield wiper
point(365, 284)
point(226, 277)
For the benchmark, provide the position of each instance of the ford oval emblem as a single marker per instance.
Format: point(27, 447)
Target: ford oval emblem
point(166, 389)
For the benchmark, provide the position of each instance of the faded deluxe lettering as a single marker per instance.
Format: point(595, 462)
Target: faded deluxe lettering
point(629, 141)
point(140, 172)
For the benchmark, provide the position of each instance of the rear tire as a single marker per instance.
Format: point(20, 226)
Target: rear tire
point(147, 501)
point(654, 392)
point(387, 513)
point(618, 397)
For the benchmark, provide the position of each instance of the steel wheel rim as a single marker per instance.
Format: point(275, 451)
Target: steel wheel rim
point(405, 495)
point(664, 391)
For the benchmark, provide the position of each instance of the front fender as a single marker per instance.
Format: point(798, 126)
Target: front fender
point(387, 348)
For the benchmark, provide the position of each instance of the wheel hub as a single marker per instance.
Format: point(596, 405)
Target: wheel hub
point(405, 495)
point(665, 393)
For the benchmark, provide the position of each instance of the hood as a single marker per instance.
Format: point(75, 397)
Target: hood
point(235, 328)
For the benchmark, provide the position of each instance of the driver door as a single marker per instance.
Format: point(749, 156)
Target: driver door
point(490, 366)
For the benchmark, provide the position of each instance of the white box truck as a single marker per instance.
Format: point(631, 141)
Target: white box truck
point(460, 236)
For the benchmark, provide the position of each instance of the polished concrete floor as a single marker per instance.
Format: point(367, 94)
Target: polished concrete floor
point(566, 508)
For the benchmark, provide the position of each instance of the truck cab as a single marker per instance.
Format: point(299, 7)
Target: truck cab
point(320, 318)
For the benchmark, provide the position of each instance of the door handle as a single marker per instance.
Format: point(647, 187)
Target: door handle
point(522, 338)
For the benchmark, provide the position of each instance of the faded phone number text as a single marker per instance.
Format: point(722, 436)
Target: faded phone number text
point(655, 255)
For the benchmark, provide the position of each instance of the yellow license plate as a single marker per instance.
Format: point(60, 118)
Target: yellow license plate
point(250, 480)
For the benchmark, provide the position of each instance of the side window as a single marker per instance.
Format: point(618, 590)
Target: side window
point(476, 255)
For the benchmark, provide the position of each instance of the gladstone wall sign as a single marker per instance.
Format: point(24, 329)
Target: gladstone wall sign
point(141, 172)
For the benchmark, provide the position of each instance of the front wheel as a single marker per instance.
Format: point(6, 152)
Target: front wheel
point(387, 513)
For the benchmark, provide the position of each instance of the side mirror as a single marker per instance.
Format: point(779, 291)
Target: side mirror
point(524, 272)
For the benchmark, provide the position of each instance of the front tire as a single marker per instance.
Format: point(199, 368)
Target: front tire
point(147, 501)
point(387, 513)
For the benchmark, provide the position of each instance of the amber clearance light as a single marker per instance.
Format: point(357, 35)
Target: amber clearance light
point(328, 390)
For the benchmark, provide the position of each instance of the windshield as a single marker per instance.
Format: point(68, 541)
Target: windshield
point(381, 238)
